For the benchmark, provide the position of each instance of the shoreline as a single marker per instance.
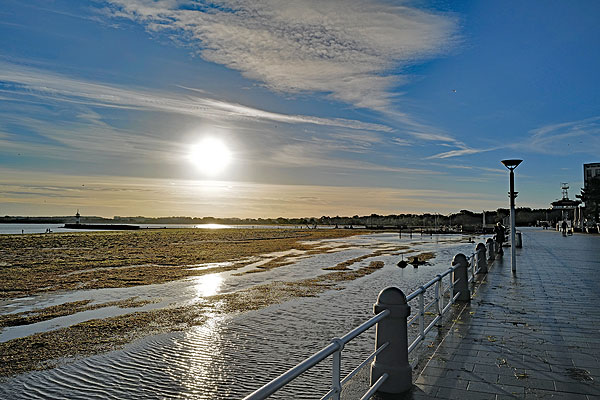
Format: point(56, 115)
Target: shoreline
point(128, 259)
point(121, 259)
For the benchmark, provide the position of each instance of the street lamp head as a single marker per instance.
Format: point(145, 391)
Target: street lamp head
point(511, 164)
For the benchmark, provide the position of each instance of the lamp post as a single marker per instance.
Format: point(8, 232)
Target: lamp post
point(511, 165)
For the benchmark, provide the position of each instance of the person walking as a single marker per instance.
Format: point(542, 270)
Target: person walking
point(564, 227)
point(499, 233)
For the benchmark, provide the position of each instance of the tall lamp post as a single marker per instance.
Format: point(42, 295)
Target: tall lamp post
point(511, 165)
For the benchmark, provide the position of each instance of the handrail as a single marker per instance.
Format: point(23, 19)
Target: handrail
point(292, 373)
point(337, 344)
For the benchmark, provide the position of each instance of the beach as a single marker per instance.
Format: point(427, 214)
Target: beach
point(39, 264)
point(71, 297)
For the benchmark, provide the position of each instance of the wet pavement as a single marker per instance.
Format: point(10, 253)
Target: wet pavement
point(532, 334)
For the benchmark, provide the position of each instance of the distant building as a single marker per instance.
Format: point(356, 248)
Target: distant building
point(570, 208)
point(590, 171)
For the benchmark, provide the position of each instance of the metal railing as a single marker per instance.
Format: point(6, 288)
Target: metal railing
point(437, 301)
point(335, 348)
point(337, 344)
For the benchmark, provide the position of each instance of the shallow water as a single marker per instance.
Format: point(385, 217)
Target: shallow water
point(230, 356)
point(15, 229)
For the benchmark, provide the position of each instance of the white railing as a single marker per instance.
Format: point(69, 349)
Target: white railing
point(335, 348)
point(337, 344)
point(437, 301)
point(472, 271)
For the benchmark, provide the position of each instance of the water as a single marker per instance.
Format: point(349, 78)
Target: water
point(231, 355)
point(13, 229)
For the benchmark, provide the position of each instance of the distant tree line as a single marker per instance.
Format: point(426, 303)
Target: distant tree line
point(464, 218)
point(525, 216)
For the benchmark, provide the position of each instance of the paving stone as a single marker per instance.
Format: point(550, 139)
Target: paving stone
point(454, 394)
point(449, 383)
point(493, 369)
point(549, 394)
point(526, 382)
point(577, 387)
point(508, 397)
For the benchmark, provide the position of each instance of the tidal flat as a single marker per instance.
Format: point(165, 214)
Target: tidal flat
point(39, 264)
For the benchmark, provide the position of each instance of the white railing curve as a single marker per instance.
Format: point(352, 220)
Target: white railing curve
point(336, 346)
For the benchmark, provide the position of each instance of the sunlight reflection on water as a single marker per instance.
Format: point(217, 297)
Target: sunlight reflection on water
point(208, 285)
point(213, 226)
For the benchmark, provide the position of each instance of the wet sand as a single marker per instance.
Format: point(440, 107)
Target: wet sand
point(34, 264)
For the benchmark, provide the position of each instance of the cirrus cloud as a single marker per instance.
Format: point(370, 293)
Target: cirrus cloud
point(351, 50)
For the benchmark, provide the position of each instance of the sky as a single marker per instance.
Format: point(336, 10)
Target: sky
point(270, 108)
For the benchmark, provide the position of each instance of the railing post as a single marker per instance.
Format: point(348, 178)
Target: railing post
point(473, 263)
point(422, 313)
point(439, 295)
point(481, 261)
point(336, 385)
point(490, 249)
point(394, 359)
point(461, 278)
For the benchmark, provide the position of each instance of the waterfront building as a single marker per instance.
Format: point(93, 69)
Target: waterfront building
point(590, 171)
point(569, 208)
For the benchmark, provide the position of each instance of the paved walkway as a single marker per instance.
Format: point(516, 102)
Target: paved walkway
point(535, 334)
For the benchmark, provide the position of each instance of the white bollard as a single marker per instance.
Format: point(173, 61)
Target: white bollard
point(393, 360)
point(460, 278)
point(490, 249)
point(481, 259)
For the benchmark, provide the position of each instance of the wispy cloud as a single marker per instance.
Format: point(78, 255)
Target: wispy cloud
point(81, 129)
point(351, 50)
point(582, 136)
point(26, 81)
point(317, 155)
point(457, 153)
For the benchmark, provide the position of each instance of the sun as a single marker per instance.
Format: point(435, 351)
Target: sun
point(211, 156)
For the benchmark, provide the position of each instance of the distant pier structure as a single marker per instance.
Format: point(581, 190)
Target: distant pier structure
point(568, 207)
point(113, 227)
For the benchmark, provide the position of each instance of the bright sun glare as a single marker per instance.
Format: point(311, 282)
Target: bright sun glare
point(210, 156)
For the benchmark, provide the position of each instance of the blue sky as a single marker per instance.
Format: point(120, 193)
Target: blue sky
point(338, 107)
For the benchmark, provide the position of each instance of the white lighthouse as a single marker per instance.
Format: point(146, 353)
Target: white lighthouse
point(77, 218)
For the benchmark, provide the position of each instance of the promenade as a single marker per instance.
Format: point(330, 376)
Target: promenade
point(533, 334)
